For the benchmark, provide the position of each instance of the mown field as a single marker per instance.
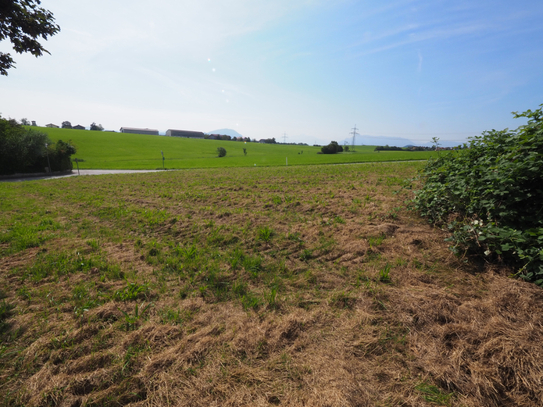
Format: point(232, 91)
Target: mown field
point(106, 150)
point(293, 286)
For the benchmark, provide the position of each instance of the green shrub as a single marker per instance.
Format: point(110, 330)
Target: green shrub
point(490, 196)
point(332, 148)
point(221, 151)
point(24, 150)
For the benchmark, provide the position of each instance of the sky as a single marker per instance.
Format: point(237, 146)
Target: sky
point(308, 69)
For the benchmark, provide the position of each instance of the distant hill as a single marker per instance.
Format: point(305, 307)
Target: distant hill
point(396, 142)
point(226, 132)
point(380, 141)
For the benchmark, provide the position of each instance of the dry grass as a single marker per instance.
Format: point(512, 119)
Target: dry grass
point(349, 300)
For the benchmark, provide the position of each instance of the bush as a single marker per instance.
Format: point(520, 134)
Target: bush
point(23, 150)
point(332, 148)
point(490, 196)
point(221, 151)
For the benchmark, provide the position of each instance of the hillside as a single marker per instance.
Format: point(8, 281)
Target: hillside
point(108, 150)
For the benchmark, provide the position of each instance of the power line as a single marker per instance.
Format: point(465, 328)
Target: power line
point(354, 133)
point(285, 138)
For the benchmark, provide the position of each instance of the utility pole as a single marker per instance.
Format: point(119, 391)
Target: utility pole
point(285, 138)
point(354, 133)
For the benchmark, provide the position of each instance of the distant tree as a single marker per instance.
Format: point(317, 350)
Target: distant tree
point(66, 125)
point(25, 122)
point(221, 151)
point(346, 149)
point(332, 148)
point(96, 127)
point(23, 22)
point(244, 151)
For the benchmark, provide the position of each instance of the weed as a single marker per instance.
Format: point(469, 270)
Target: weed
point(265, 234)
point(376, 240)
point(24, 293)
point(306, 254)
point(295, 237)
point(171, 316)
point(250, 301)
point(434, 394)
point(131, 321)
point(131, 292)
point(271, 297)
point(253, 265)
point(236, 258)
point(384, 274)
point(93, 244)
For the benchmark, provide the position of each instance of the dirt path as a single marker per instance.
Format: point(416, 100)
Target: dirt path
point(75, 173)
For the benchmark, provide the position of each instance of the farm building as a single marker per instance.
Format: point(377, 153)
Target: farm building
point(52, 126)
point(78, 127)
point(135, 130)
point(184, 133)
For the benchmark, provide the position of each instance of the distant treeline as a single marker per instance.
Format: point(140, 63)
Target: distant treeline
point(414, 148)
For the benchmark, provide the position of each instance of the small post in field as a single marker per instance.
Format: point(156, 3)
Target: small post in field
point(77, 163)
point(161, 152)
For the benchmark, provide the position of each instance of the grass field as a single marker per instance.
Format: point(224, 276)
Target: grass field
point(293, 286)
point(106, 150)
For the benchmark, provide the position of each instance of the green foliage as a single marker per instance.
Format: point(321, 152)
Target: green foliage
point(23, 23)
point(131, 292)
point(384, 274)
point(27, 150)
point(490, 195)
point(221, 151)
point(434, 394)
point(265, 234)
point(96, 127)
point(132, 321)
point(332, 148)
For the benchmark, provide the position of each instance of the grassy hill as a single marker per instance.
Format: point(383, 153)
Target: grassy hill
point(107, 150)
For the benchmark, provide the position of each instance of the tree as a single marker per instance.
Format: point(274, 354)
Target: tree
point(23, 23)
point(221, 151)
point(332, 148)
point(25, 150)
point(66, 125)
point(25, 122)
point(97, 127)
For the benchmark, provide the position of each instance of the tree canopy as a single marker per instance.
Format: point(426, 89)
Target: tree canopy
point(23, 22)
point(24, 150)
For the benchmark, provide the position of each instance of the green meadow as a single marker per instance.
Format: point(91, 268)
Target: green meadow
point(107, 150)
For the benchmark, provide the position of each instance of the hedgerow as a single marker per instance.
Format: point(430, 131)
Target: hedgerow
point(490, 196)
point(24, 150)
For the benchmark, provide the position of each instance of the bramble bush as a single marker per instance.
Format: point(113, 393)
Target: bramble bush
point(490, 196)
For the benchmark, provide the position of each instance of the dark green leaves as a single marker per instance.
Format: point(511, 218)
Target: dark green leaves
point(493, 188)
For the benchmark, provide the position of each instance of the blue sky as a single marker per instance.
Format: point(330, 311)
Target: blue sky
point(311, 69)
